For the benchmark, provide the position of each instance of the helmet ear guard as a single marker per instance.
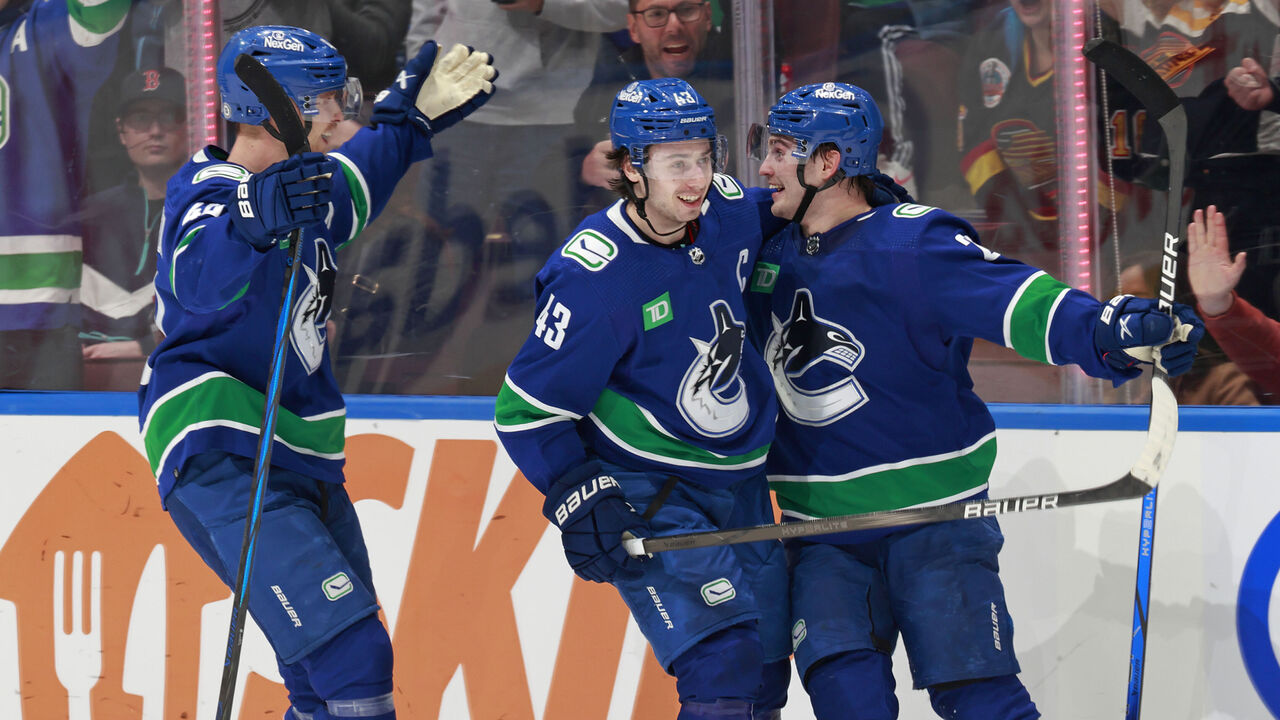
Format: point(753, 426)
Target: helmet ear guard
point(305, 64)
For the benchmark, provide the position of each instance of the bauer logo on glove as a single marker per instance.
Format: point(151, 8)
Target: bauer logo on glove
point(581, 494)
point(593, 515)
point(1132, 330)
point(287, 195)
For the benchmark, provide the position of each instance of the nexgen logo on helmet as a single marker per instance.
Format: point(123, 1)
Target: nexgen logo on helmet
point(280, 41)
point(830, 91)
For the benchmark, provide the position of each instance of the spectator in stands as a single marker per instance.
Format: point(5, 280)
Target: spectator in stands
point(511, 155)
point(671, 38)
point(1207, 50)
point(1249, 338)
point(56, 55)
point(1008, 136)
point(122, 228)
point(499, 185)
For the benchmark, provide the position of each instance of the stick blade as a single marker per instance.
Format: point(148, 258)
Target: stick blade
point(1131, 71)
point(277, 102)
point(1162, 430)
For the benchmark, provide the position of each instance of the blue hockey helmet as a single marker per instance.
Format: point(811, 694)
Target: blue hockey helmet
point(831, 112)
point(305, 64)
point(662, 110)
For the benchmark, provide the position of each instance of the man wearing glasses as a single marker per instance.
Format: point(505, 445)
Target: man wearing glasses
point(670, 38)
point(122, 227)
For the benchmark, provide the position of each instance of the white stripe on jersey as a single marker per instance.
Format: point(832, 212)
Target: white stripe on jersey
point(25, 244)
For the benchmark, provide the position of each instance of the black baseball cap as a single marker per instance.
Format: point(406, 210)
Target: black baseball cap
point(165, 84)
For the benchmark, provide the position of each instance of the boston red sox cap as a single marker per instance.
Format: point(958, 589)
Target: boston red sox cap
point(165, 84)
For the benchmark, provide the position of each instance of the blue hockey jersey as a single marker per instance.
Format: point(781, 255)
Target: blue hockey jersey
point(53, 59)
point(218, 301)
point(638, 355)
point(868, 335)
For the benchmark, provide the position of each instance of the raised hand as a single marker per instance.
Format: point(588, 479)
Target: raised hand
point(287, 195)
point(434, 91)
point(592, 514)
point(1212, 271)
point(460, 82)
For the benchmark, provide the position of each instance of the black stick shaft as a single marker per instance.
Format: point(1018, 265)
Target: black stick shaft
point(290, 131)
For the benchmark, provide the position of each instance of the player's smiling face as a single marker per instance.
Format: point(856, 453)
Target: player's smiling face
point(679, 176)
point(779, 168)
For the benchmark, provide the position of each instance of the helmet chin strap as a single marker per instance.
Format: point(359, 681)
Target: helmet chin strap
point(811, 191)
point(639, 203)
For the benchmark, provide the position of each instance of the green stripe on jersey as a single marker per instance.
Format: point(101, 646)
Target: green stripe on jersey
point(511, 410)
point(630, 427)
point(359, 195)
point(28, 271)
point(220, 400)
point(1030, 315)
point(889, 489)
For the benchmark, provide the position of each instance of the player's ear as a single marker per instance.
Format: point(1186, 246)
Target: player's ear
point(629, 171)
point(830, 162)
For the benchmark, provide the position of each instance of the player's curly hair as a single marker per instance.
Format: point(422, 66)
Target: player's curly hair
point(619, 183)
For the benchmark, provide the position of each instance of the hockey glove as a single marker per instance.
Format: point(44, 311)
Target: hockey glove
point(1129, 329)
point(434, 91)
point(290, 194)
point(592, 513)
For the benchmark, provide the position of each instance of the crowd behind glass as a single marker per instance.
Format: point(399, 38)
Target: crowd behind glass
point(436, 296)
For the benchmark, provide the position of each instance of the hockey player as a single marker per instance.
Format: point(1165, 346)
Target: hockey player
point(869, 327)
point(54, 57)
point(636, 407)
point(218, 285)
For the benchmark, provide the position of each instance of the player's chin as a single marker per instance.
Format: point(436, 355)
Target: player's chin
point(781, 207)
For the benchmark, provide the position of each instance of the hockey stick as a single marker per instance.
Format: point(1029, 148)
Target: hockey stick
point(1145, 84)
point(1141, 479)
point(290, 131)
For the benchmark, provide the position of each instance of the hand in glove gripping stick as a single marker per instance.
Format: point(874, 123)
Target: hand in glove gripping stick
point(289, 194)
point(592, 514)
point(1130, 329)
point(434, 91)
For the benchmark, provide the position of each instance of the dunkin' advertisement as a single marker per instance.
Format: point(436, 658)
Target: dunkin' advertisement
point(106, 613)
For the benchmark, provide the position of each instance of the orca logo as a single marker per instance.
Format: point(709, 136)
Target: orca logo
point(1253, 607)
point(712, 397)
point(312, 313)
point(812, 362)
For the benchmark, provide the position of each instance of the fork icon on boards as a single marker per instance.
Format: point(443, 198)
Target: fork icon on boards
point(77, 653)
